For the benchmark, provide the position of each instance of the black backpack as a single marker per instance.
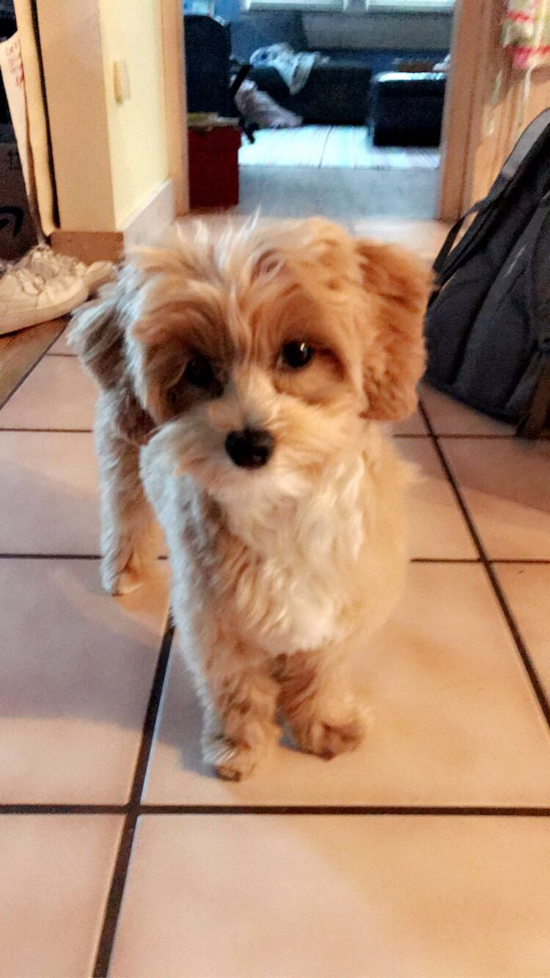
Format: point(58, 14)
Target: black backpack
point(488, 319)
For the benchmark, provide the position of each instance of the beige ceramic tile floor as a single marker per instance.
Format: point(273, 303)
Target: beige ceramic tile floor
point(424, 854)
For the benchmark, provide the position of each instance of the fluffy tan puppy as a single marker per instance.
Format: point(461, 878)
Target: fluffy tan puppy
point(243, 370)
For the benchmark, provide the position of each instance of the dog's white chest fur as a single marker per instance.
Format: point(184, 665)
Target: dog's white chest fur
point(298, 574)
point(295, 595)
point(299, 606)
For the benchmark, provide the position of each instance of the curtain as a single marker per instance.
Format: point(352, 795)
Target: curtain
point(526, 32)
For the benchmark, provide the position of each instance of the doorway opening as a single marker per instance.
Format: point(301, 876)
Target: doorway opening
point(343, 107)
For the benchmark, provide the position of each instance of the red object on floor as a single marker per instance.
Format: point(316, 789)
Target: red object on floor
point(214, 167)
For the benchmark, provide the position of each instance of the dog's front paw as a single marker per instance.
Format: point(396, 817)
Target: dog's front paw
point(231, 761)
point(119, 580)
point(328, 738)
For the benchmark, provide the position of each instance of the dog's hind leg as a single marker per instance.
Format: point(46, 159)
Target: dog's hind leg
point(316, 699)
point(127, 538)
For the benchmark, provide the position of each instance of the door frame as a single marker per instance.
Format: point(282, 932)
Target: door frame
point(461, 118)
point(463, 102)
point(175, 97)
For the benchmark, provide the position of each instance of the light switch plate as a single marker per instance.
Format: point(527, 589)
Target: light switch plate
point(121, 82)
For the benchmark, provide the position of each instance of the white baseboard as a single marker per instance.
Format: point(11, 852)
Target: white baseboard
point(145, 223)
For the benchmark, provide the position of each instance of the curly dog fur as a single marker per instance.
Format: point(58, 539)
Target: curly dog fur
point(279, 570)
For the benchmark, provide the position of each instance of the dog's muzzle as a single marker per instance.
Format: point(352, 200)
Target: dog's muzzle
point(250, 448)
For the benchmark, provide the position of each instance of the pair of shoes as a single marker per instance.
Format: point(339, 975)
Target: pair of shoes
point(43, 286)
point(42, 260)
point(27, 299)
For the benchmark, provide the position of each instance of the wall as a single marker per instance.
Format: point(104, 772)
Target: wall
point(70, 42)
point(137, 131)
point(358, 30)
point(378, 30)
point(108, 158)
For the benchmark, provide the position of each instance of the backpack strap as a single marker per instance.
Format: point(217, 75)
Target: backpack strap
point(452, 236)
point(526, 141)
point(527, 147)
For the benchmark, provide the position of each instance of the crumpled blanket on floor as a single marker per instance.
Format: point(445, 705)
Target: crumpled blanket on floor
point(259, 107)
point(293, 67)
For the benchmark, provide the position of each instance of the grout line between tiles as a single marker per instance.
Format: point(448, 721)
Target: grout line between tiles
point(480, 437)
point(465, 437)
point(49, 557)
point(413, 811)
point(445, 560)
point(397, 436)
point(120, 872)
point(521, 560)
point(63, 808)
point(413, 560)
point(475, 436)
point(489, 570)
point(28, 372)
point(46, 431)
point(61, 557)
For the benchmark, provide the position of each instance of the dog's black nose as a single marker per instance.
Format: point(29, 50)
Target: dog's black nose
point(250, 448)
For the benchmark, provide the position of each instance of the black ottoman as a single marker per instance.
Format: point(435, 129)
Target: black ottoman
point(406, 109)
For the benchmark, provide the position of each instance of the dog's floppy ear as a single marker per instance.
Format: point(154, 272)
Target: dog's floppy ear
point(97, 336)
point(398, 286)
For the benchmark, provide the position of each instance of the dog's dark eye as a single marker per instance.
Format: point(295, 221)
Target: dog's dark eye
point(199, 372)
point(296, 355)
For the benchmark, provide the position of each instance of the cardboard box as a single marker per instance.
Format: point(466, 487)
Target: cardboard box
point(17, 230)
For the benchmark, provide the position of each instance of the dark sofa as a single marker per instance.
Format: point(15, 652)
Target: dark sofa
point(337, 92)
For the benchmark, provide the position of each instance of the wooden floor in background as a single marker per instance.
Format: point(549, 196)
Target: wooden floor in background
point(332, 146)
point(20, 351)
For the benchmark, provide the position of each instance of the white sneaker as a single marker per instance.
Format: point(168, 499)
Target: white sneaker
point(43, 261)
point(27, 299)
